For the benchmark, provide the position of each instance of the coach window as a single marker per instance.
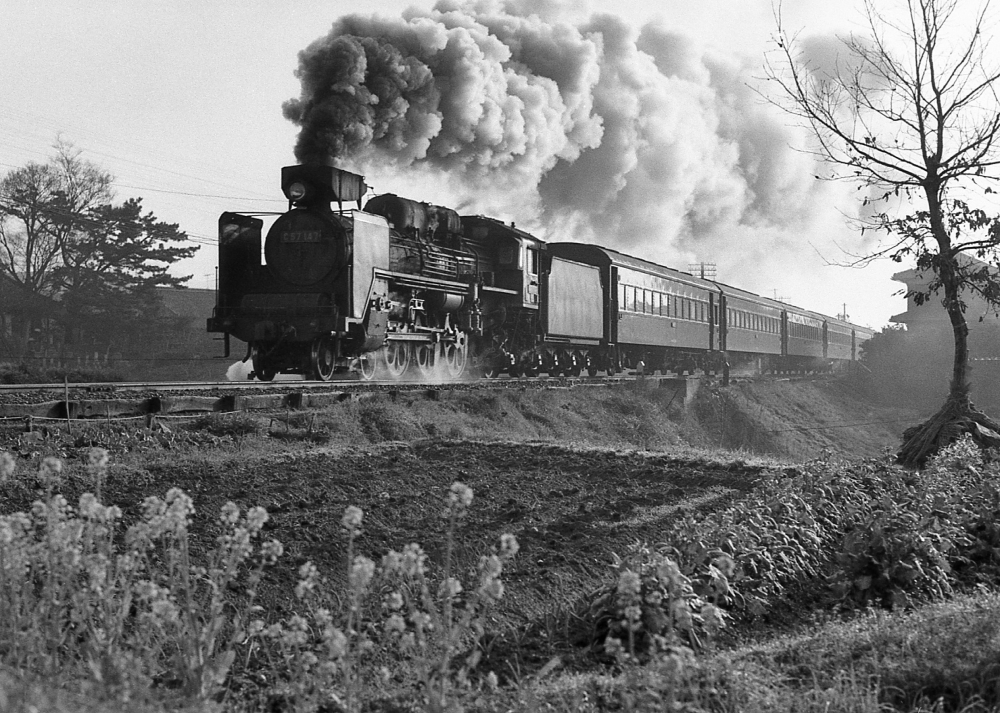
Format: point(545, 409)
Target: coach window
point(630, 299)
point(621, 296)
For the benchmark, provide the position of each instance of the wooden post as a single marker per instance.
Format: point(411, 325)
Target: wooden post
point(69, 424)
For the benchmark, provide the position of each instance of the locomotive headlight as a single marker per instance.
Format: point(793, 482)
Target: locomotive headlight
point(297, 191)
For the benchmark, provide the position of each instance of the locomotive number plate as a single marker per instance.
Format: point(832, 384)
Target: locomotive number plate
point(302, 236)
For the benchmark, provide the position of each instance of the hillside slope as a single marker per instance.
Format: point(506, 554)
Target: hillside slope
point(795, 419)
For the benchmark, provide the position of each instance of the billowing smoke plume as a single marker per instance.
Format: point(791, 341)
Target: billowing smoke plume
point(641, 140)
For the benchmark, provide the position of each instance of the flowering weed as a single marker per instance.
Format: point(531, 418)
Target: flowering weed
point(423, 626)
point(82, 599)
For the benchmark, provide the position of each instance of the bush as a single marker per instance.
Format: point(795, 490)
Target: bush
point(866, 533)
point(653, 607)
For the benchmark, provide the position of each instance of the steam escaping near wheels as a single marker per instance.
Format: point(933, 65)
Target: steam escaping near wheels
point(240, 371)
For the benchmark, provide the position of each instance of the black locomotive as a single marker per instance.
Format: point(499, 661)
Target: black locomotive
point(403, 289)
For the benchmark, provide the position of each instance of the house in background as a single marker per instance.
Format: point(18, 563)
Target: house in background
point(922, 364)
point(29, 332)
point(188, 352)
point(928, 320)
point(171, 345)
point(931, 314)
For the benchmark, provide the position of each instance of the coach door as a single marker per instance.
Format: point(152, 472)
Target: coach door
point(784, 332)
point(612, 307)
point(713, 321)
point(721, 322)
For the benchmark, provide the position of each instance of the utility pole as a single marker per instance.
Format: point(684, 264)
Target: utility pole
point(704, 270)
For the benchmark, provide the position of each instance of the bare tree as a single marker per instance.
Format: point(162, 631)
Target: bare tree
point(63, 237)
point(910, 110)
point(41, 208)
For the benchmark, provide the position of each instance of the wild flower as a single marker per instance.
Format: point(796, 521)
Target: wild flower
point(50, 470)
point(394, 601)
point(459, 499)
point(509, 546)
point(257, 517)
point(230, 513)
point(270, 551)
point(395, 624)
point(629, 583)
point(337, 644)
point(308, 578)
point(97, 458)
point(351, 521)
point(412, 562)
point(362, 571)
point(450, 587)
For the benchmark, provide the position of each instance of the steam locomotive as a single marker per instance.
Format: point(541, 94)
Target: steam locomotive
point(405, 289)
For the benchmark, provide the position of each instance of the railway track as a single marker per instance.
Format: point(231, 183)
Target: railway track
point(136, 399)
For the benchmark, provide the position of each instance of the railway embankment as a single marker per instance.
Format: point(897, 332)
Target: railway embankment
point(798, 418)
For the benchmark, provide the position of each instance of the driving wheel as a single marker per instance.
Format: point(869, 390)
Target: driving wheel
point(261, 368)
point(456, 355)
point(323, 360)
point(425, 355)
point(367, 364)
point(397, 358)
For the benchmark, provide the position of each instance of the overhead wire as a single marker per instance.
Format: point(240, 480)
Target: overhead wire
point(23, 131)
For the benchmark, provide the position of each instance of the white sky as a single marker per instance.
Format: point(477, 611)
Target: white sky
point(181, 101)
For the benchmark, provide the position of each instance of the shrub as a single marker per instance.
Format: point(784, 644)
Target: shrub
point(653, 607)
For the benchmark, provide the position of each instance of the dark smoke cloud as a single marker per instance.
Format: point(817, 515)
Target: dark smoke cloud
point(640, 139)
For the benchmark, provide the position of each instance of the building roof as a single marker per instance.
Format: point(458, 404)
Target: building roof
point(187, 301)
